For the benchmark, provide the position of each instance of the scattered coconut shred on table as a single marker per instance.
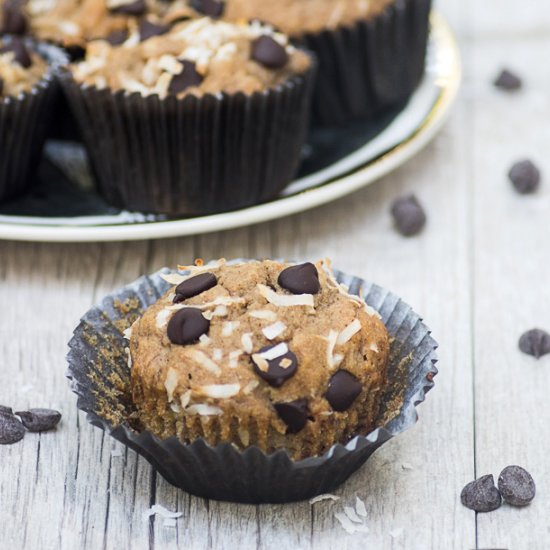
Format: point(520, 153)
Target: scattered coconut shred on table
point(163, 512)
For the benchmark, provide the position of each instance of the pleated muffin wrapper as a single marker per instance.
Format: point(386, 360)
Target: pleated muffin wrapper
point(100, 376)
point(370, 66)
point(24, 122)
point(194, 155)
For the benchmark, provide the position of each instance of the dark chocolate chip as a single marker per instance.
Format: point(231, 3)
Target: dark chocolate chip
point(507, 80)
point(14, 20)
point(6, 410)
point(525, 177)
point(39, 420)
point(269, 53)
point(194, 286)
point(408, 215)
point(187, 325)
point(343, 389)
point(21, 54)
point(136, 8)
point(118, 37)
point(76, 52)
point(516, 486)
point(294, 414)
point(279, 370)
point(535, 342)
point(481, 495)
point(187, 78)
point(11, 429)
point(212, 8)
point(300, 279)
point(148, 30)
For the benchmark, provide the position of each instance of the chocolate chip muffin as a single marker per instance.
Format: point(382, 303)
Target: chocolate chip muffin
point(262, 353)
point(27, 93)
point(205, 116)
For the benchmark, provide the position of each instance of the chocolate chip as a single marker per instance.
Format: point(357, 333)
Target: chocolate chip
point(279, 370)
point(481, 495)
point(76, 52)
point(507, 80)
point(187, 325)
point(39, 420)
point(408, 215)
point(212, 8)
point(194, 286)
point(516, 486)
point(148, 30)
point(14, 20)
point(535, 342)
point(118, 37)
point(18, 48)
point(187, 78)
point(300, 279)
point(135, 8)
point(525, 177)
point(343, 389)
point(6, 410)
point(269, 53)
point(294, 414)
point(11, 429)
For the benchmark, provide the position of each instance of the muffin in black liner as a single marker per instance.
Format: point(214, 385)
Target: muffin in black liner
point(195, 155)
point(24, 122)
point(100, 376)
point(370, 66)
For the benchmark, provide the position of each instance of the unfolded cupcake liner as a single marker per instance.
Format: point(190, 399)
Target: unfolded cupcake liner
point(100, 376)
point(195, 155)
point(24, 121)
point(370, 66)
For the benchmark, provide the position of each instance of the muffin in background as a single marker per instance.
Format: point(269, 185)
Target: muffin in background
point(206, 116)
point(264, 353)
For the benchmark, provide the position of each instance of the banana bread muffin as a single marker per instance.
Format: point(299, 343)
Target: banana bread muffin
point(259, 353)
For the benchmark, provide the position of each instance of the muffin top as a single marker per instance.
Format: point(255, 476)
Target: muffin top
point(293, 17)
point(20, 67)
point(261, 339)
point(194, 57)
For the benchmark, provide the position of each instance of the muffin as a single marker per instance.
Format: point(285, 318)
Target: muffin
point(27, 93)
point(371, 52)
point(204, 117)
point(262, 353)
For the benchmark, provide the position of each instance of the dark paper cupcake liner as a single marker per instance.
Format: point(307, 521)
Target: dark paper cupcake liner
point(368, 67)
point(24, 121)
point(193, 155)
point(100, 376)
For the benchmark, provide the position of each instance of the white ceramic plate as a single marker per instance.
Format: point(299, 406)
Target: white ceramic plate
point(396, 141)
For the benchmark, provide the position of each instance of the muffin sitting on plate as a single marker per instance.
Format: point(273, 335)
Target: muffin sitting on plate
point(259, 353)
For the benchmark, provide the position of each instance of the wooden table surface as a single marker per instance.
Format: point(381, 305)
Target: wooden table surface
point(479, 274)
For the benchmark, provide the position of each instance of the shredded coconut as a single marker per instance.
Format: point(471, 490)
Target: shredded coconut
point(205, 361)
point(246, 340)
point(219, 391)
point(352, 514)
point(204, 409)
point(332, 337)
point(360, 507)
point(286, 300)
point(229, 327)
point(233, 358)
point(161, 511)
point(264, 314)
point(353, 328)
point(326, 496)
point(250, 387)
point(185, 398)
point(162, 317)
point(274, 352)
point(171, 382)
point(204, 340)
point(127, 333)
point(217, 354)
point(272, 331)
point(374, 347)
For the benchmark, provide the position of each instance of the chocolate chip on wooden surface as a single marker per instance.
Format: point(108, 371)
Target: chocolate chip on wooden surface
point(275, 371)
point(187, 325)
point(408, 215)
point(194, 286)
point(300, 279)
point(525, 177)
point(19, 50)
point(269, 53)
point(517, 486)
point(39, 420)
point(11, 429)
point(211, 8)
point(342, 391)
point(118, 37)
point(508, 81)
point(14, 20)
point(481, 495)
point(535, 342)
point(187, 78)
point(147, 29)
point(136, 8)
point(294, 414)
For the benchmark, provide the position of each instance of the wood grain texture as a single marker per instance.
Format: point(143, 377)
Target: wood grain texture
point(477, 274)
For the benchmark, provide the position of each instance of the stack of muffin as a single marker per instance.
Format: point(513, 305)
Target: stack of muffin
point(199, 106)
